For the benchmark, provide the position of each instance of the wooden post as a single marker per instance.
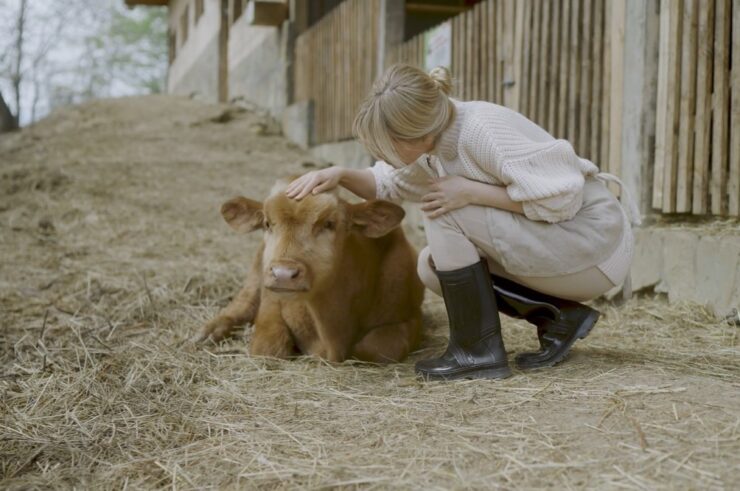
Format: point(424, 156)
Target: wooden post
point(733, 187)
point(390, 29)
point(673, 89)
point(633, 94)
point(720, 106)
point(510, 89)
point(223, 53)
point(703, 120)
point(688, 107)
point(618, 12)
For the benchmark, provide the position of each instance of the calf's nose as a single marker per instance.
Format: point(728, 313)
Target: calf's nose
point(284, 273)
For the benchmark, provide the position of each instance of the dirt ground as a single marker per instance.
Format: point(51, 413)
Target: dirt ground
point(114, 254)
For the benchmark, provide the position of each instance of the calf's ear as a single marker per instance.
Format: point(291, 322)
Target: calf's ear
point(376, 218)
point(243, 214)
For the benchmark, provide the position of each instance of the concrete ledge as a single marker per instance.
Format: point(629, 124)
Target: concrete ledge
point(689, 264)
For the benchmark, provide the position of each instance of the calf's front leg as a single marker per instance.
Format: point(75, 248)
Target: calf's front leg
point(242, 309)
point(271, 335)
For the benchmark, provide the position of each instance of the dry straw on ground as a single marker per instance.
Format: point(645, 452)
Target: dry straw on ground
point(113, 255)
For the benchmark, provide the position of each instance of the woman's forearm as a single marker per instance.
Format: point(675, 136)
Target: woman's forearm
point(359, 181)
point(491, 195)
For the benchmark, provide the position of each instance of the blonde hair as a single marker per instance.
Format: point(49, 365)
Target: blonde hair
point(404, 104)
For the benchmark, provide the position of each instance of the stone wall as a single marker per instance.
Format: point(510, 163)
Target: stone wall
point(696, 263)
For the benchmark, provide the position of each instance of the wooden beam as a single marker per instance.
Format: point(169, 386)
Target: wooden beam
point(420, 8)
point(147, 3)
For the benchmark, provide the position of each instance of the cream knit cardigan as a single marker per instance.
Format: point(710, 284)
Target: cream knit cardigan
point(496, 145)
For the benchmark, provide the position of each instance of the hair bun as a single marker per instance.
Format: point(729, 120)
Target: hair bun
point(442, 78)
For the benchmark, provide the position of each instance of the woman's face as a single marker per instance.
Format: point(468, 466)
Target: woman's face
point(410, 150)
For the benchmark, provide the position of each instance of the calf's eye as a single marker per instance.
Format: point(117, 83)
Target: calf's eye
point(329, 225)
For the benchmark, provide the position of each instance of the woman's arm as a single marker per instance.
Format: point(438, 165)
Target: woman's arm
point(360, 182)
point(453, 192)
point(484, 194)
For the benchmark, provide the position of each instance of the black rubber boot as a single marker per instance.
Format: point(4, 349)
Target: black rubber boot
point(475, 349)
point(560, 322)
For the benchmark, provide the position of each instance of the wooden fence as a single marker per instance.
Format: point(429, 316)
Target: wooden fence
point(336, 65)
point(561, 63)
point(697, 153)
point(547, 59)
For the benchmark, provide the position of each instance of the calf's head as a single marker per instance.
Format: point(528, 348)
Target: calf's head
point(304, 240)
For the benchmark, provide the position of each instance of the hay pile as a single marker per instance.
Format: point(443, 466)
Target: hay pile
point(113, 255)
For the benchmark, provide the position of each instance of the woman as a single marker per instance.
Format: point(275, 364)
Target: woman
point(500, 195)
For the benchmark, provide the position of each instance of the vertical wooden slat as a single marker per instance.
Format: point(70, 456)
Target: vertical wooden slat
point(733, 187)
point(345, 66)
point(596, 78)
point(500, 34)
point(510, 89)
point(534, 76)
point(469, 55)
point(703, 119)
point(584, 130)
point(492, 47)
point(476, 52)
point(461, 75)
point(606, 89)
point(525, 36)
point(575, 64)
point(720, 106)
point(483, 49)
point(516, 74)
point(674, 91)
point(456, 65)
point(687, 108)
point(544, 41)
point(661, 116)
point(561, 126)
point(616, 87)
point(335, 34)
point(552, 72)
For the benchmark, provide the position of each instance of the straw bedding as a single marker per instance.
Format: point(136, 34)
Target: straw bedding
point(113, 255)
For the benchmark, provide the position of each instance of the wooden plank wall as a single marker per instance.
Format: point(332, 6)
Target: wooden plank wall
point(697, 158)
point(335, 65)
point(547, 59)
point(559, 63)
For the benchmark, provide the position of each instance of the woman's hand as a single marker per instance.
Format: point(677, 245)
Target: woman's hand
point(316, 181)
point(448, 193)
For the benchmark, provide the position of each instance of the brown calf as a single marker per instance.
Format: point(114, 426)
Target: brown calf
point(331, 279)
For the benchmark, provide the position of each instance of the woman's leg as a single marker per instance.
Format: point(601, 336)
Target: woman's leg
point(551, 303)
point(580, 286)
point(475, 348)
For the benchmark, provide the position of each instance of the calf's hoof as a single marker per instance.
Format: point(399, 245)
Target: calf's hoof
point(216, 330)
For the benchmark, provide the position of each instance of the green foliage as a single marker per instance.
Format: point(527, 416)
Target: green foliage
point(129, 49)
point(75, 50)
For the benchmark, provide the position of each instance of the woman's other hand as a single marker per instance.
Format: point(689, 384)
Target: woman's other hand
point(314, 182)
point(447, 193)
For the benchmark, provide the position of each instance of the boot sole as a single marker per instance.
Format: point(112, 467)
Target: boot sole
point(480, 373)
point(583, 331)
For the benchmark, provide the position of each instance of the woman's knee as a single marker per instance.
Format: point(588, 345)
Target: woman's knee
point(426, 271)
